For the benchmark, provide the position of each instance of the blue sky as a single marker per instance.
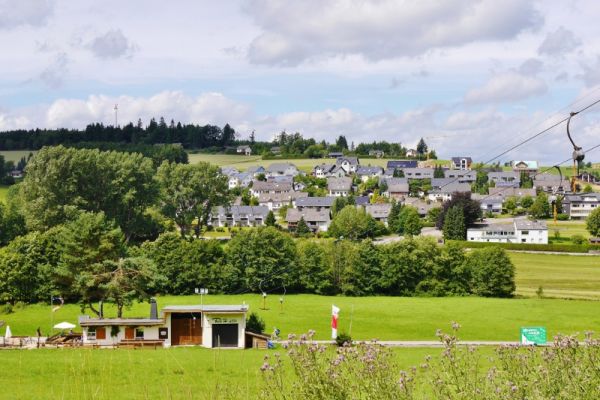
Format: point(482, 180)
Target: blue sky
point(472, 76)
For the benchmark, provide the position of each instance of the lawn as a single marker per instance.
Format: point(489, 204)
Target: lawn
point(567, 229)
point(16, 155)
point(564, 276)
point(305, 164)
point(3, 193)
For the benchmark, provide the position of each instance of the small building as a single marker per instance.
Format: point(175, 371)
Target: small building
point(368, 172)
point(315, 203)
point(489, 203)
point(379, 212)
point(339, 186)
point(275, 201)
point(361, 200)
point(335, 154)
point(242, 179)
point(461, 175)
point(579, 206)
point(511, 192)
point(244, 149)
point(520, 231)
point(411, 153)
point(445, 192)
point(528, 167)
point(348, 164)
point(239, 216)
point(323, 170)
point(256, 170)
point(550, 183)
point(397, 188)
point(228, 171)
point(422, 206)
point(317, 221)
point(462, 163)
point(208, 326)
point(259, 187)
point(275, 150)
point(376, 153)
point(505, 179)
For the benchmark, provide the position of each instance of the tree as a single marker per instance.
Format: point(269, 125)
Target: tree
point(302, 228)
point(526, 201)
point(592, 223)
point(411, 222)
point(314, 267)
point(471, 209)
point(438, 171)
point(270, 219)
point(255, 323)
point(394, 223)
point(588, 188)
point(510, 204)
point(422, 147)
point(189, 193)
point(540, 207)
point(338, 204)
point(342, 143)
point(252, 138)
point(526, 181)
point(492, 272)
point(351, 223)
point(454, 224)
point(398, 173)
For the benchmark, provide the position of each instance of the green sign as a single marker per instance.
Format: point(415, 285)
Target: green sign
point(535, 335)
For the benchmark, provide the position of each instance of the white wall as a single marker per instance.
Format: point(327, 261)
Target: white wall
point(150, 333)
point(207, 323)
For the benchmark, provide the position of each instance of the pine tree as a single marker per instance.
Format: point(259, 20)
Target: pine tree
point(454, 224)
point(302, 228)
point(252, 138)
point(270, 220)
point(422, 147)
point(393, 218)
point(438, 171)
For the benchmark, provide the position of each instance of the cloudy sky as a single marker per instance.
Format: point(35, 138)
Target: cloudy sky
point(471, 76)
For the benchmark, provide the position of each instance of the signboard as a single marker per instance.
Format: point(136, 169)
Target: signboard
point(223, 320)
point(533, 335)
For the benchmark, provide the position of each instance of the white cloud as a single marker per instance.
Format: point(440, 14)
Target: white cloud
point(24, 12)
point(508, 86)
point(559, 42)
point(590, 72)
point(379, 29)
point(53, 76)
point(112, 44)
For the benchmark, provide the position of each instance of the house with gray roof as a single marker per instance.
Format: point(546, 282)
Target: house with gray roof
point(438, 183)
point(511, 192)
point(348, 164)
point(529, 167)
point(445, 192)
point(461, 163)
point(229, 171)
point(239, 216)
point(401, 164)
point(315, 203)
point(550, 183)
point(422, 206)
point(242, 179)
point(397, 188)
point(339, 186)
point(281, 169)
point(317, 221)
point(489, 203)
point(256, 170)
point(323, 170)
point(521, 230)
point(461, 175)
point(361, 200)
point(505, 178)
point(418, 173)
point(259, 187)
point(379, 212)
point(367, 172)
point(244, 149)
point(274, 201)
point(580, 205)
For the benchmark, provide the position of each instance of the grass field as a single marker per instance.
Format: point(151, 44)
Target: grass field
point(567, 228)
point(3, 193)
point(16, 155)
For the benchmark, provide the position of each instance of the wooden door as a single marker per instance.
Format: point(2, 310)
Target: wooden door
point(186, 330)
point(100, 333)
point(129, 333)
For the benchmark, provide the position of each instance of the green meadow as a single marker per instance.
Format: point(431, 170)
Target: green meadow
point(16, 155)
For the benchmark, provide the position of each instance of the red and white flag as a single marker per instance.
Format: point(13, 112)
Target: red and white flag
point(334, 321)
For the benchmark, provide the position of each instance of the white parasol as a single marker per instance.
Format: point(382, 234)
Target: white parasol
point(8, 333)
point(64, 325)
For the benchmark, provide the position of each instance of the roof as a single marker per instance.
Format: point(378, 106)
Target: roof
point(493, 227)
point(243, 147)
point(369, 170)
point(378, 210)
point(504, 174)
point(525, 224)
point(439, 182)
point(351, 160)
point(325, 167)
point(336, 154)
point(237, 211)
point(229, 170)
point(281, 179)
point(456, 160)
point(280, 167)
point(87, 321)
point(255, 169)
point(260, 186)
point(286, 196)
point(453, 187)
point(524, 164)
point(402, 164)
point(361, 200)
point(421, 206)
point(581, 197)
point(509, 191)
point(485, 198)
point(309, 215)
point(342, 183)
point(208, 309)
point(418, 170)
point(460, 173)
point(315, 201)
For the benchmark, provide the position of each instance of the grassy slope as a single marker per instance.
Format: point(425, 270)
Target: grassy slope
point(3, 193)
point(16, 155)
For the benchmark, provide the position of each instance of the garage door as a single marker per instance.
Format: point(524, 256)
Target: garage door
point(225, 335)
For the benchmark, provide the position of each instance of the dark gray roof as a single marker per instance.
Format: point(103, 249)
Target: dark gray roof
point(285, 196)
point(453, 187)
point(280, 167)
point(369, 170)
point(508, 192)
point(402, 164)
point(309, 215)
point(315, 201)
point(361, 200)
point(493, 227)
point(456, 160)
point(342, 183)
point(260, 186)
point(378, 210)
point(243, 211)
point(351, 160)
point(591, 197)
point(525, 224)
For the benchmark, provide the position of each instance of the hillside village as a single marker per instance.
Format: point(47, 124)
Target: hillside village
point(294, 195)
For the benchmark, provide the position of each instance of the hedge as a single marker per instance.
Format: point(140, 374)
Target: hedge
point(562, 248)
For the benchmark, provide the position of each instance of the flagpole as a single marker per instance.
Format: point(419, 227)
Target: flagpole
point(351, 313)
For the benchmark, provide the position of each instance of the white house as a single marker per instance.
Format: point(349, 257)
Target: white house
point(200, 325)
point(339, 186)
point(241, 179)
point(348, 164)
point(520, 231)
point(368, 172)
point(245, 150)
point(444, 193)
point(281, 169)
point(462, 163)
point(579, 206)
point(317, 221)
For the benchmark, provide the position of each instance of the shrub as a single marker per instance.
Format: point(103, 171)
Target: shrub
point(562, 217)
point(255, 323)
point(6, 308)
point(19, 305)
point(343, 339)
point(578, 239)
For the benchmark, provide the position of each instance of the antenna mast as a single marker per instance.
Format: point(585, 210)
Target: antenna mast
point(116, 110)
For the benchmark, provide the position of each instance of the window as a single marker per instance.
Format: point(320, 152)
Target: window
point(524, 233)
point(139, 333)
point(91, 333)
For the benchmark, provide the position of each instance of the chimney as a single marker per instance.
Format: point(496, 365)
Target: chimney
point(153, 309)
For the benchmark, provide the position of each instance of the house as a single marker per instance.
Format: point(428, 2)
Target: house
point(418, 173)
point(511, 192)
point(366, 173)
point(323, 170)
point(588, 178)
point(280, 169)
point(335, 154)
point(259, 187)
point(361, 200)
point(489, 203)
point(438, 183)
point(397, 188)
point(379, 212)
point(401, 164)
point(274, 201)
point(281, 179)
point(317, 221)
point(241, 179)
point(244, 149)
point(315, 203)
point(228, 171)
point(520, 231)
point(376, 153)
point(411, 153)
point(16, 174)
point(348, 164)
point(339, 186)
point(461, 175)
point(239, 216)
point(550, 183)
point(445, 192)
point(529, 167)
point(579, 206)
point(275, 150)
point(422, 206)
point(461, 163)
point(210, 326)
point(505, 179)
point(256, 170)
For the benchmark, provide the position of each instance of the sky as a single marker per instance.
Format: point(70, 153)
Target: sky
point(472, 77)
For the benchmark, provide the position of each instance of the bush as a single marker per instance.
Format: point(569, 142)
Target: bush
point(255, 323)
point(562, 217)
point(578, 239)
point(19, 305)
point(6, 308)
point(560, 248)
point(342, 339)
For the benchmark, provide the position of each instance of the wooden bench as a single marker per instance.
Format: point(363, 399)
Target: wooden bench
point(134, 343)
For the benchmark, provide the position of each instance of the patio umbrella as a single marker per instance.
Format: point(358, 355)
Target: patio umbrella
point(8, 333)
point(64, 325)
